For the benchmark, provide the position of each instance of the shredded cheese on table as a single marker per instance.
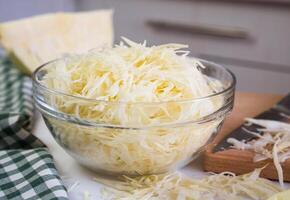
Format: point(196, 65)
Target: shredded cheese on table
point(174, 186)
point(134, 86)
point(86, 195)
point(273, 144)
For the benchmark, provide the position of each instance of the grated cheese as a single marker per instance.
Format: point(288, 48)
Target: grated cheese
point(281, 195)
point(86, 195)
point(137, 87)
point(174, 186)
point(273, 144)
point(73, 186)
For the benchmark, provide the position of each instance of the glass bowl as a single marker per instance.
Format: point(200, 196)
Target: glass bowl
point(112, 148)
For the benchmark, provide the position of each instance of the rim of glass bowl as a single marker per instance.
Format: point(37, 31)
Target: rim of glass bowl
point(231, 87)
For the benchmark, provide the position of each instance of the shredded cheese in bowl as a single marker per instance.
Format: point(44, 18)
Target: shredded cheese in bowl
point(133, 109)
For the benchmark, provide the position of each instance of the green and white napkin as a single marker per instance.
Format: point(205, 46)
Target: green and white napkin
point(27, 170)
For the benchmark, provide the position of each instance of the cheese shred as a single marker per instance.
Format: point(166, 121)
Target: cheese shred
point(175, 186)
point(273, 144)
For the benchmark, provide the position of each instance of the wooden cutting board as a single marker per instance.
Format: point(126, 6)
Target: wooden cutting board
point(239, 161)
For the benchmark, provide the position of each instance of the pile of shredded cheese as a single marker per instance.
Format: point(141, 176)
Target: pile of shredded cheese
point(273, 144)
point(174, 186)
point(134, 86)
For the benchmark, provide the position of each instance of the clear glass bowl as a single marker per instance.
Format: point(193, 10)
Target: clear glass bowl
point(108, 147)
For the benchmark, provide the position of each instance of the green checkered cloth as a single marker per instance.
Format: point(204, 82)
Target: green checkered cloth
point(29, 174)
point(16, 109)
point(27, 170)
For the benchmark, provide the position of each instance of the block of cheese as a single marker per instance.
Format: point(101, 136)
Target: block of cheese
point(36, 40)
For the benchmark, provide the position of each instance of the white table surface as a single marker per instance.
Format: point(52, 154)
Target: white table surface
point(73, 173)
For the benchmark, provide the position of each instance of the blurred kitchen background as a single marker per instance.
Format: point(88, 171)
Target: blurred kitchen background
point(250, 37)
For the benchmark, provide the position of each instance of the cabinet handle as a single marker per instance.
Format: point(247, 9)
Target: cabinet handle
point(220, 31)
